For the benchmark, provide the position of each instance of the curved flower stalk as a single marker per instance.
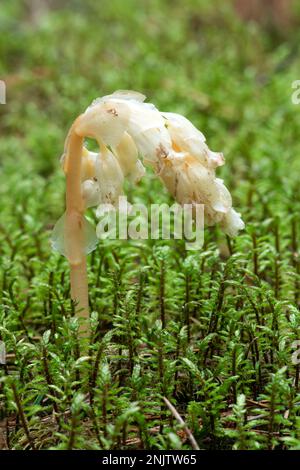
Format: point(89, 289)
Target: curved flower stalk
point(128, 130)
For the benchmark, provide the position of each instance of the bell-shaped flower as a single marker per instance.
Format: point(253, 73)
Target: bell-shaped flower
point(128, 130)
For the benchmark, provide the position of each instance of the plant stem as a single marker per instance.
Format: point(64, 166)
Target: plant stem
point(162, 294)
point(22, 417)
point(74, 227)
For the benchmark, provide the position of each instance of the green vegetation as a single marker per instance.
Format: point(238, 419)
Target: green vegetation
point(212, 331)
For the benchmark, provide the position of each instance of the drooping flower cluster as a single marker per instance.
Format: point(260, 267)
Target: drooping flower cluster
point(129, 131)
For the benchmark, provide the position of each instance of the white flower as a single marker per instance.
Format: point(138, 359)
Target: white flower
point(187, 138)
point(128, 129)
point(109, 117)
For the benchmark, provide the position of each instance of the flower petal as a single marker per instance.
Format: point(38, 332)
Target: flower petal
point(186, 137)
point(232, 223)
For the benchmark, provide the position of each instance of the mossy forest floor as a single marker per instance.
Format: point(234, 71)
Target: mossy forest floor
point(213, 331)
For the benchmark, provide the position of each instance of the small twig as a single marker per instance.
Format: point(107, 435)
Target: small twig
point(182, 423)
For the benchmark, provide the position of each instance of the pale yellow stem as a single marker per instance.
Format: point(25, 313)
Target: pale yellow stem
point(74, 234)
point(79, 293)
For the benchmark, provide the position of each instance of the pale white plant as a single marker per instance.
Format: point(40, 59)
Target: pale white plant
point(131, 133)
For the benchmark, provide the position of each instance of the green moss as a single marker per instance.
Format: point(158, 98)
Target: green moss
point(231, 311)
